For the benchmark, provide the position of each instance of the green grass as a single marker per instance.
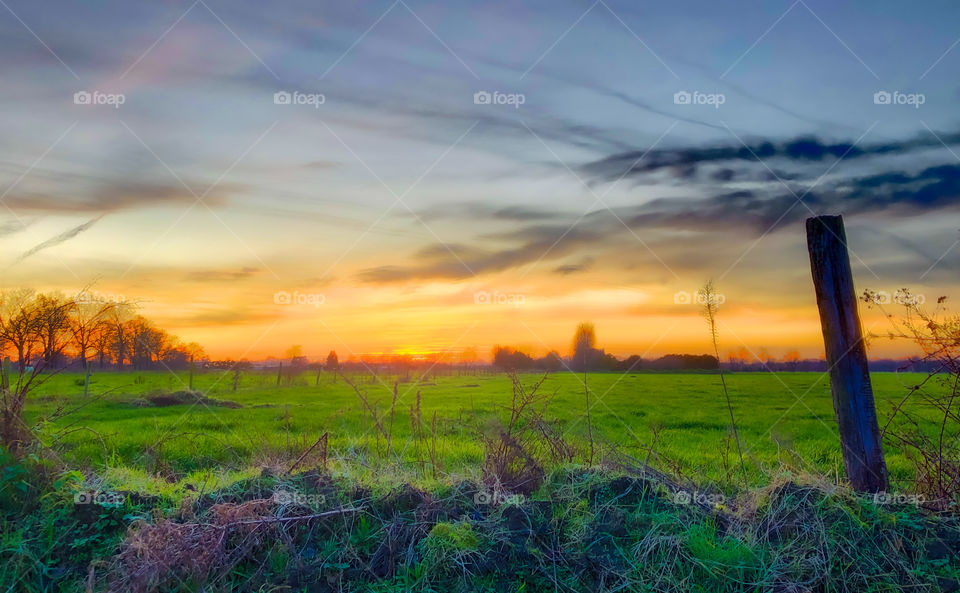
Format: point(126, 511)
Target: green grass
point(784, 418)
point(582, 530)
point(183, 473)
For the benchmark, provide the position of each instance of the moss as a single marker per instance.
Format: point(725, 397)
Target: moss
point(452, 537)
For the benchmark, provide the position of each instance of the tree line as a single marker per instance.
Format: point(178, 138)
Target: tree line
point(53, 331)
point(585, 356)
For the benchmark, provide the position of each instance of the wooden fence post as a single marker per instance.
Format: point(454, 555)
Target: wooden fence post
point(846, 354)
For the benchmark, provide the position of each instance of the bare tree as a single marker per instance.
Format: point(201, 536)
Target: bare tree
point(33, 327)
point(53, 325)
point(119, 341)
point(88, 328)
point(18, 323)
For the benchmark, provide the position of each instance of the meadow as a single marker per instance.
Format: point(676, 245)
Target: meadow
point(675, 420)
point(149, 482)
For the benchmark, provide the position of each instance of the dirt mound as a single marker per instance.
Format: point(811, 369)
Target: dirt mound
point(184, 397)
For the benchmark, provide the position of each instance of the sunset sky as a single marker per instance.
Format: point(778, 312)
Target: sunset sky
point(406, 214)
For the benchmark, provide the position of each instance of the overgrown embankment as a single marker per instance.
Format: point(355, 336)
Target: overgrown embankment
point(581, 530)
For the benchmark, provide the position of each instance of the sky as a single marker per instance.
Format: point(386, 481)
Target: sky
point(408, 177)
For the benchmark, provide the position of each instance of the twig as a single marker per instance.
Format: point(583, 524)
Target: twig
point(307, 452)
point(288, 519)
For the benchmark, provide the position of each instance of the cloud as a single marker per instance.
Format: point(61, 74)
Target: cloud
point(494, 212)
point(568, 269)
point(731, 213)
point(119, 196)
point(459, 262)
point(116, 196)
point(58, 239)
point(12, 227)
point(797, 150)
point(222, 275)
point(220, 317)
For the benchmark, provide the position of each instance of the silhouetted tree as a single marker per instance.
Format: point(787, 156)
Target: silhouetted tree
point(585, 355)
point(550, 362)
point(511, 360)
point(88, 325)
point(295, 354)
point(53, 325)
point(333, 363)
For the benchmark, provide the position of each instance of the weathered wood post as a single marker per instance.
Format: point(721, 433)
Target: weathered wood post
point(846, 354)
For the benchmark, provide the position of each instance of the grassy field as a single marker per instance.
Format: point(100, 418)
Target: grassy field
point(783, 419)
point(126, 495)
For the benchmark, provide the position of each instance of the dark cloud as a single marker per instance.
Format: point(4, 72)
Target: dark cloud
point(739, 213)
point(568, 269)
point(58, 239)
point(797, 150)
point(892, 194)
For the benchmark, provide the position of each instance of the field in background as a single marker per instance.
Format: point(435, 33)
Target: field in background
point(785, 418)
